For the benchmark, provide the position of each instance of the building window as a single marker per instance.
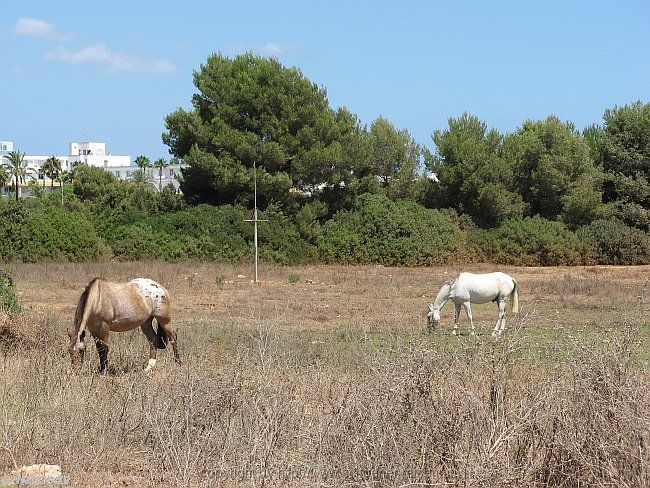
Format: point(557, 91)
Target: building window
point(171, 171)
point(40, 176)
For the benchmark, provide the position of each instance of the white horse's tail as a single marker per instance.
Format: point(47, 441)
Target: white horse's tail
point(515, 297)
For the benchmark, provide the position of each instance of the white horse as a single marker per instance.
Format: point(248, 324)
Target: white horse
point(470, 288)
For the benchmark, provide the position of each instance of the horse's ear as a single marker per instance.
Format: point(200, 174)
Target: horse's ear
point(430, 308)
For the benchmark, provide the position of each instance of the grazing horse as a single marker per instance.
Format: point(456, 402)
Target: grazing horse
point(470, 288)
point(119, 307)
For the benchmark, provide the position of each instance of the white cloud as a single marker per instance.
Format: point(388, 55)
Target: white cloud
point(16, 71)
point(269, 49)
point(273, 49)
point(111, 61)
point(181, 46)
point(40, 28)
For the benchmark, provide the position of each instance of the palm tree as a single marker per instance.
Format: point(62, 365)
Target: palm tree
point(5, 177)
point(160, 163)
point(17, 168)
point(142, 162)
point(140, 177)
point(51, 167)
point(37, 191)
point(64, 177)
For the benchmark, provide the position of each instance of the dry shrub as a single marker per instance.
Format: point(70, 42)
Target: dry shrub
point(17, 332)
point(484, 415)
point(371, 405)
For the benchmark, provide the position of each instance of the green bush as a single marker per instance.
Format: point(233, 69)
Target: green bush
point(533, 241)
point(379, 230)
point(53, 233)
point(12, 220)
point(36, 232)
point(136, 241)
point(9, 300)
point(204, 233)
point(614, 242)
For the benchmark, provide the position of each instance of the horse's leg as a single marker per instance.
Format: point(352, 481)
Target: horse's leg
point(501, 321)
point(502, 314)
point(468, 309)
point(171, 336)
point(101, 341)
point(147, 330)
point(456, 318)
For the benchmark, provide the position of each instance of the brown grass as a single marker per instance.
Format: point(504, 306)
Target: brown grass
point(333, 381)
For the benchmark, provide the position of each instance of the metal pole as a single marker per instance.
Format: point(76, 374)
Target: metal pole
point(255, 220)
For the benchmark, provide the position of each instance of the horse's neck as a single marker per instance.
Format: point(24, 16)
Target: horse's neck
point(443, 296)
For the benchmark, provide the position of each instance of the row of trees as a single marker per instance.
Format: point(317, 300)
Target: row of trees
point(315, 160)
point(14, 170)
point(338, 191)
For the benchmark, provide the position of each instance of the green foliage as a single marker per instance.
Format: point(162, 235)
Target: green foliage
point(252, 109)
point(553, 167)
point(14, 165)
point(207, 233)
point(473, 177)
point(12, 220)
point(334, 190)
point(613, 242)
point(9, 300)
point(170, 199)
point(37, 232)
point(293, 278)
point(220, 280)
point(378, 230)
point(626, 160)
point(394, 159)
point(308, 220)
point(52, 233)
point(533, 241)
point(52, 168)
point(136, 241)
point(627, 139)
point(142, 162)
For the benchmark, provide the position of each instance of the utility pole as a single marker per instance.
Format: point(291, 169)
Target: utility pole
point(255, 220)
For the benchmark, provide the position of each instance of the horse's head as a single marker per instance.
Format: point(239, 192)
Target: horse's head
point(433, 317)
point(76, 349)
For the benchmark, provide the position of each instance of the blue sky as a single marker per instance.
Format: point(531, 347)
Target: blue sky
point(111, 71)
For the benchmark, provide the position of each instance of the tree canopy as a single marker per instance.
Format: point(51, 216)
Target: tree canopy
point(626, 159)
point(252, 109)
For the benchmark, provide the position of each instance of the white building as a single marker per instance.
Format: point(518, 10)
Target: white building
point(92, 154)
point(6, 147)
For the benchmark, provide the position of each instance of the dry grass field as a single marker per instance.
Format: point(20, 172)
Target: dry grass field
point(333, 380)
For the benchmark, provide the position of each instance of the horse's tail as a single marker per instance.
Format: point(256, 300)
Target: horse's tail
point(515, 297)
point(161, 337)
point(82, 314)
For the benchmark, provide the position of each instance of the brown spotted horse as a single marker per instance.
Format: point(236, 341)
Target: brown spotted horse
point(106, 307)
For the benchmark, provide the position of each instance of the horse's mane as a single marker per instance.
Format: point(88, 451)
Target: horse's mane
point(81, 305)
point(451, 281)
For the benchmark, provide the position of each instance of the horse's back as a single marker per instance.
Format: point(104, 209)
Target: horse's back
point(482, 288)
point(154, 293)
